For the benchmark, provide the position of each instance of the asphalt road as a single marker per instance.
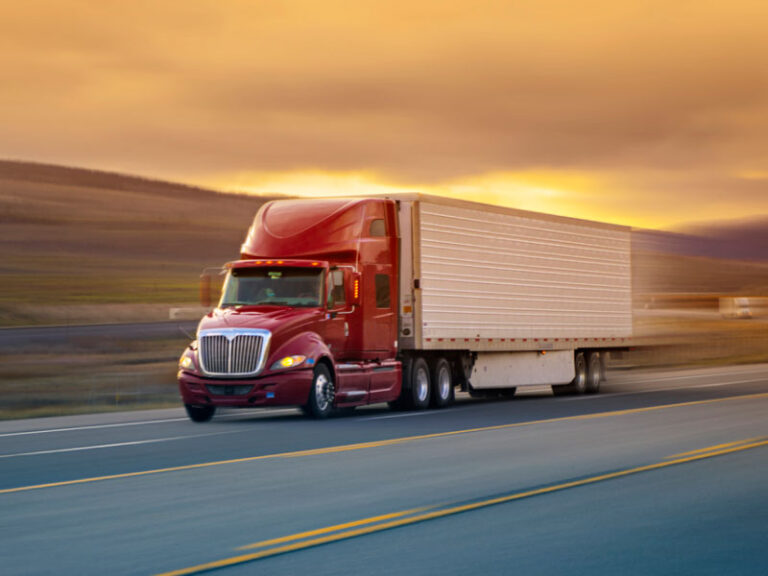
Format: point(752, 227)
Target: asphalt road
point(663, 473)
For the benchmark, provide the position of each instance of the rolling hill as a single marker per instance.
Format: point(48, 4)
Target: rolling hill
point(86, 246)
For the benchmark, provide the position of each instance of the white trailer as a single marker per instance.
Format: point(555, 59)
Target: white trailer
point(511, 298)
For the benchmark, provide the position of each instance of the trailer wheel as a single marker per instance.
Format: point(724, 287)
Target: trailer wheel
point(580, 380)
point(420, 386)
point(579, 383)
point(442, 384)
point(200, 413)
point(322, 393)
point(594, 374)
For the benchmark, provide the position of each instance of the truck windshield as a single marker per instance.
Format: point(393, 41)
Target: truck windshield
point(297, 287)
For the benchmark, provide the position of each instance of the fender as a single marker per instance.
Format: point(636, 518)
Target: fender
point(308, 344)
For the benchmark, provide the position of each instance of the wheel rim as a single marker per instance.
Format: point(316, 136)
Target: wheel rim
point(444, 383)
point(422, 384)
point(323, 392)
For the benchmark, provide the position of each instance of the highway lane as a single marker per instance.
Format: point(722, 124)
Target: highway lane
point(145, 518)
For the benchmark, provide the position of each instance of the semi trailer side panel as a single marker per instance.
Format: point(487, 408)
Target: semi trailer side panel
point(506, 280)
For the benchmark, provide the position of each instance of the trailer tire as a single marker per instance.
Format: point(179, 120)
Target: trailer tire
point(579, 383)
point(199, 413)
point(420, 386)
point(322, 393)
point(604, 366)
point(580, 380)
point(594, 373)
point(442, 384)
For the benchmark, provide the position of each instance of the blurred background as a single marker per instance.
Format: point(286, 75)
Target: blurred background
point(139, 139)
point(82, 248)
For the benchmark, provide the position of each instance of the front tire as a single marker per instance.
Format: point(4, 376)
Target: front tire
point(198, 413)
point(322, 394)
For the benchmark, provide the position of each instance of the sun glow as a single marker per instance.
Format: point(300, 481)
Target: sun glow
point(309, 184)
point(574, 194)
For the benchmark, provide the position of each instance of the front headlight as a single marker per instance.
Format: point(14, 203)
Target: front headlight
point(187, 360)
point(288, 362)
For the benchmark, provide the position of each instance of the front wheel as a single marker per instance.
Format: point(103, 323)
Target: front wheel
point(200, 413)
point(322, 393)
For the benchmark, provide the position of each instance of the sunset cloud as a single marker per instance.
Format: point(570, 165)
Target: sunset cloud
point(639, 112)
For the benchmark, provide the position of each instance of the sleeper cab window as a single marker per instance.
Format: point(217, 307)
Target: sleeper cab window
point(382, 291)
point(378, 228)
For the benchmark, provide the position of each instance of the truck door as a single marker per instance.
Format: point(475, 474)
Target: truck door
point(380, 328)
point(380, 324)
point(337, 319)
point(378, 257)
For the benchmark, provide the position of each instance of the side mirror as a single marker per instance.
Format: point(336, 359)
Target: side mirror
point(207, 285)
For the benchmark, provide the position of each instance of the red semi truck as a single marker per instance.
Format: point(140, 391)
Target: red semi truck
point(337, 303)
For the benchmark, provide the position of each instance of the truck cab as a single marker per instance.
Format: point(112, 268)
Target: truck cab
point(307, 315)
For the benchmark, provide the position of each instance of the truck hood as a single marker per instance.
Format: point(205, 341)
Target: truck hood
point(282, 319)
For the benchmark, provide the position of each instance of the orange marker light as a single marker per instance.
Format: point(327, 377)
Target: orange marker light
point(356, 289)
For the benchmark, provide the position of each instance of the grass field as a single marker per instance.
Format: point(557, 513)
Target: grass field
point(89, 376)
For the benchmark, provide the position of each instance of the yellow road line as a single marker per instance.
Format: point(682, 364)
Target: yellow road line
point(337, 528)
point(450, 511)
point(376, 444)
point(713, 448)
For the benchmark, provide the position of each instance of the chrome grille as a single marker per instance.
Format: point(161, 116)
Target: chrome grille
point(233, 352)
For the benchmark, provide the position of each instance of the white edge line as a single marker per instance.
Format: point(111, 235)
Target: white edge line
point(409, 415)
point(138, 423)
point(115, 445)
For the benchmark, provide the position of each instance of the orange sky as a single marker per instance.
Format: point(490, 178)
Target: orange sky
point(648, 113)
